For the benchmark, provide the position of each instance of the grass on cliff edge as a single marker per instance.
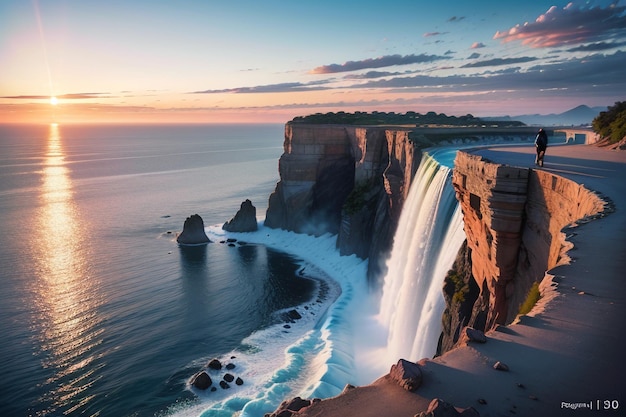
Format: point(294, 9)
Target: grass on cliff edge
point(531, 299)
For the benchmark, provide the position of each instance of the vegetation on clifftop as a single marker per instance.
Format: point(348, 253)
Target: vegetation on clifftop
point(611, 124)
point(407, 119)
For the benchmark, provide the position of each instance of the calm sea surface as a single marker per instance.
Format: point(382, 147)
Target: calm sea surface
point(101, 312)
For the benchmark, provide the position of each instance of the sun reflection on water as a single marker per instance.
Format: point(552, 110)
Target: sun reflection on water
point(68, 323)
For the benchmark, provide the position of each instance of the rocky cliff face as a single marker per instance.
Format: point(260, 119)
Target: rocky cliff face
point(316, 175)
point(351, 181)
point(513, 220)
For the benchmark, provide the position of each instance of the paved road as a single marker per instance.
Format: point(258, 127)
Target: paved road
point(598, 169)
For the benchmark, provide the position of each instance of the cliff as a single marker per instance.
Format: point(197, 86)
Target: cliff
point(513, 221)
point(352, 181)
point(346, 180)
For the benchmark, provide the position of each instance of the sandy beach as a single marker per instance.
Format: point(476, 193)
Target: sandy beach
point(565, 357)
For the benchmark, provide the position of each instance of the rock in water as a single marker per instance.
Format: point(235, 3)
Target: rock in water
point(202, 381)
point(244, 220)
point(193, 232)
point(215, 364)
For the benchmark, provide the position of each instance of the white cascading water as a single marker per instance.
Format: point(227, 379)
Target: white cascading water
point(430, 233)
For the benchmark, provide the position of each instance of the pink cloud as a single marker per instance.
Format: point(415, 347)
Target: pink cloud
point(431, 34)
point(477, 45)
point(568, 26)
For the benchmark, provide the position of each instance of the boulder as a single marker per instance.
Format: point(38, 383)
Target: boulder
point(244, 220)
point(500, 366)
point(469, 334)
point(440, 408)
point(229, 378)
point(193, 232)
point(407, 374)
point(297, 404)
point(202, 381)
point(294, 315)
point(239, 381)
point(215, 364)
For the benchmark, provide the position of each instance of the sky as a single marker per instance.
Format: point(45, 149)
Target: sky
point(245, 61)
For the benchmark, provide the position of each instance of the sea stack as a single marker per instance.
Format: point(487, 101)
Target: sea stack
point(244, 220)
point(193, 232)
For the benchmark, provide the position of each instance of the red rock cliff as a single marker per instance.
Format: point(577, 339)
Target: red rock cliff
point(514, 219)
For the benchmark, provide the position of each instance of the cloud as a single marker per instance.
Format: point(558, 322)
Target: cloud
point(474, 56)
point(431, 34)
point(594, 74)
point(381, 62)
point(73, 96)
point(269, 88)
point(570, 25)
point(499, 61)
point(597, 75)
point(456, 18)
point(477, 45)
point(376, 74)
point(594, 47)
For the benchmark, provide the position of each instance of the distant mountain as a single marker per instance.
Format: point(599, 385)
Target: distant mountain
point(581, 115)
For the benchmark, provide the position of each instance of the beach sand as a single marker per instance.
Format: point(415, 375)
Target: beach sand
point(565, 357)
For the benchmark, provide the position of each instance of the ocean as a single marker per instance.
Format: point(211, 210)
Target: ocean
point(102, 313)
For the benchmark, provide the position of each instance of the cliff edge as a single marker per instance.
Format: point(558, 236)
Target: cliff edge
point(353, 180)
point(345, 180)
point(563, 356)
point(513, 220)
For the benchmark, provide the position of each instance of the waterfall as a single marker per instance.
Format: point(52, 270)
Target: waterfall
point(430, 233)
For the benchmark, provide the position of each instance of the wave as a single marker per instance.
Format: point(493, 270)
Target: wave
point(314, 357)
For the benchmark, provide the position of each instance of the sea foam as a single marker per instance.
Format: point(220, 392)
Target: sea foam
point(315, 357)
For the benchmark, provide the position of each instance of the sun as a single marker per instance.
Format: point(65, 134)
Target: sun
point(54, 101)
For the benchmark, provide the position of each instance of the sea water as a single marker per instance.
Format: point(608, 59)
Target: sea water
point(102, 313)
point(105, 315)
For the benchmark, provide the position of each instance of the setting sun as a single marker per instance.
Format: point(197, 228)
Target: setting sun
point(54, 101)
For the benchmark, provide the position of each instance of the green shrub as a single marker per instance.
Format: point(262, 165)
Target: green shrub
point(531, 299)
point(357, 198)
point(612, 123)
point(458, 287)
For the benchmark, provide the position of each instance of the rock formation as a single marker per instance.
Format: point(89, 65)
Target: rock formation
point(202, 381)
point(346, 180)
point(513, 219)
point(406, 374)
point(193, 232)
point(353, 181)
point(441, 408)
point(290, 407)
point(244, 220)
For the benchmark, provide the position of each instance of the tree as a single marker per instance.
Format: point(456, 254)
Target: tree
point(611, 124)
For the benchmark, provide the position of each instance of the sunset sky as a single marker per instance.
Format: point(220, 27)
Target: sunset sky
point(269, 61)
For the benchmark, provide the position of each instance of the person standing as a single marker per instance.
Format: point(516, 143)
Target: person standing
point(541, 143)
